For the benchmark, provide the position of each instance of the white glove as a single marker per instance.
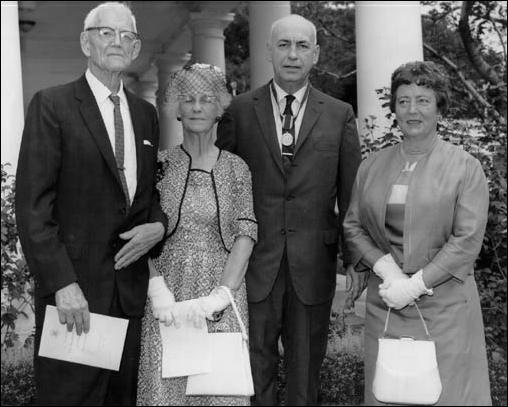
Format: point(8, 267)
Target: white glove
point(196, 313)
point(206, 306)
point(162, 299)
point(402, 292)
point(387, 270)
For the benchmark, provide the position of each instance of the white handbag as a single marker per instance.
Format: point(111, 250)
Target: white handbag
point(231, 373)
point(406, 370)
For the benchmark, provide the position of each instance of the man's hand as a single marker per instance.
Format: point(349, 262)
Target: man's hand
point(355, 284)
point(141, 239)
point(73, 308)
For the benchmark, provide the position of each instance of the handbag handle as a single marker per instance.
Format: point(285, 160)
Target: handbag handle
point(427, 334)
point(237, 313)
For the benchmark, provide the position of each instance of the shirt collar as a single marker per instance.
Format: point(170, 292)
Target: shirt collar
point(100, 91)
point(281, 94)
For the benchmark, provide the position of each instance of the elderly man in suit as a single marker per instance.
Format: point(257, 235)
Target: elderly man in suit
point(87, 209)
point(303, 151)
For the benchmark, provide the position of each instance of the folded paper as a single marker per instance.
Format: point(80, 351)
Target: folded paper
point(101, 347)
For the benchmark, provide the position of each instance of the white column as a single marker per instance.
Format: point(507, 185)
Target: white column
point(208, 37)
point(170, 129)
point(12, 91)
point(145, 89)
point(388, 33)
point(262, 14)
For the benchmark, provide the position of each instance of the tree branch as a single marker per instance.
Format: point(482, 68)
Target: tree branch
point(500, 36)
point(332, 32)
point(473, 49)
point(338, 77)
point(469, 86)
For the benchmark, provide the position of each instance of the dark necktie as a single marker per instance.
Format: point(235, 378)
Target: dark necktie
point(288, 133)
point(119, 146)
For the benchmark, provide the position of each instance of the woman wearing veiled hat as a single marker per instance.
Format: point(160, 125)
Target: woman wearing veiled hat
point(207, 196)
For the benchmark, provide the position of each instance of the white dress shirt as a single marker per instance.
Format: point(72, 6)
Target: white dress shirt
point(106, 107)
point(297, 107)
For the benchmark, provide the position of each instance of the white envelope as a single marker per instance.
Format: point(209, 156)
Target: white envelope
point(185, 350)
point(102, 346)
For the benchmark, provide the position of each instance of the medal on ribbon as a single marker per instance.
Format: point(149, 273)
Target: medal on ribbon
point(287, 139)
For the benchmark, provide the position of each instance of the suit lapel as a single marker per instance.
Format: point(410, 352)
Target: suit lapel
point(137, 124)
point(264, 113)
point(93, 119)
point(312, 112)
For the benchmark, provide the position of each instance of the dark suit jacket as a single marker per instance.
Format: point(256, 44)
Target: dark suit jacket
point(297, 208)
point(70, 206)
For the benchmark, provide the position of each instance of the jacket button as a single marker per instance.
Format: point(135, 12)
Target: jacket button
point(283, 231)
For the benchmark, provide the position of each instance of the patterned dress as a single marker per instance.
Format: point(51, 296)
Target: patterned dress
point(192, 263)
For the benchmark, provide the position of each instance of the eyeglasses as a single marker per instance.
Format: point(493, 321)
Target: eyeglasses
point(107, 34)
point(203, 99)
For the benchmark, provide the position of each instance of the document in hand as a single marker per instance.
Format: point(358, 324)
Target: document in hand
point(102, 346)
point(185, 350)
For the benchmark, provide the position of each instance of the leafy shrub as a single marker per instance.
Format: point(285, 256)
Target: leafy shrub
point(497, 373)
point(18, 385)
point(17, 282)
point(342, 380)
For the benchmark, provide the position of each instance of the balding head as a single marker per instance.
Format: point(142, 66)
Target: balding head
point(293, 51)
point(293, 21)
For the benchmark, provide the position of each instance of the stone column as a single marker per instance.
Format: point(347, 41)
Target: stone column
point(145, 89)
point(262, 15)
point(170, 128)
point(388, 33)
point(12, 90)
point(208, 37)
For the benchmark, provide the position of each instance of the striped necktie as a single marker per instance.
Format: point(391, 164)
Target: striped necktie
point(119, 146)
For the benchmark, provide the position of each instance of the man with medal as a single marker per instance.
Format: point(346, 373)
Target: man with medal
point(303, 151)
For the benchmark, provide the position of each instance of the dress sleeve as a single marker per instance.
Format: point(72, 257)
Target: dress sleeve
point(245, 221)
point(364, 251)
point(469, 223)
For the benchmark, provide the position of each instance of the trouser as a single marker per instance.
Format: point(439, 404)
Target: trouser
point(71, 384)
point(304, 333)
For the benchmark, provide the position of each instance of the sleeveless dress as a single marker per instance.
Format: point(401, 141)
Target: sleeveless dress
point(192, 263)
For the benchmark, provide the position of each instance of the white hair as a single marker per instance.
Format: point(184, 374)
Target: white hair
point(293, 16)
point(92, 15)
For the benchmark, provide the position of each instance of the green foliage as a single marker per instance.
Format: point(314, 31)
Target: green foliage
point(487, 22)
point(491, 265)
point(342, 380)
point(497, 373)
point(335, 73)
point(18, 385)
point(17, 282)
point(236, 49)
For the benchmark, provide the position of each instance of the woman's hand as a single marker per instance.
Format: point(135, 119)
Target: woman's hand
point(388, 270)
point(163, 301)
point(403, 292)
